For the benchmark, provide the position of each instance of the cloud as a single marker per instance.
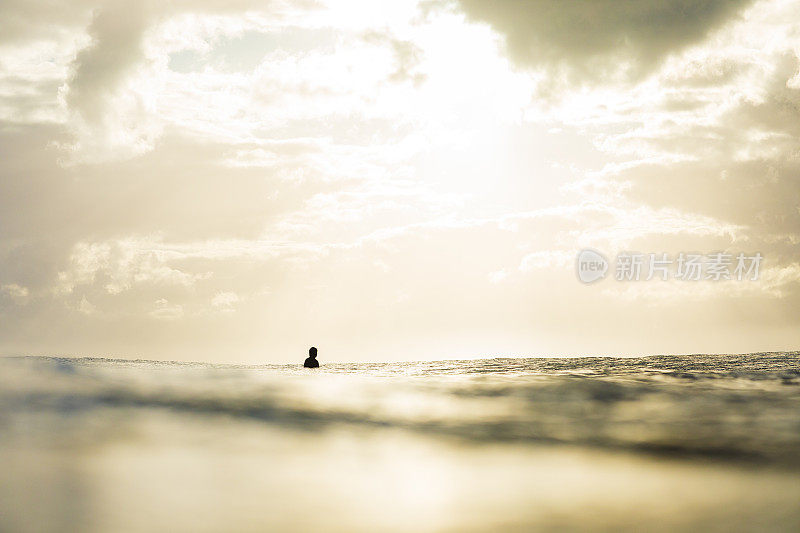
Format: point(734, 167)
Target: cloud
point(116, 45)
point(86, 307)
point(740, 165)
point(163, 310)
point(298, 170)
point(120, 265)
point(407, 57)
point(18, 294)
point(27, 20)
point(597, 38)
point(225, 301)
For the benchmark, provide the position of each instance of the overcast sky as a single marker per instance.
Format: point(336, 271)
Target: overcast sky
point(238, 180)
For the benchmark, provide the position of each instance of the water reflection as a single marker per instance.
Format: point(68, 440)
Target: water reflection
point(502, 444)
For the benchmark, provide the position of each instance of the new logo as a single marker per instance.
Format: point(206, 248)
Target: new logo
point(591, 266)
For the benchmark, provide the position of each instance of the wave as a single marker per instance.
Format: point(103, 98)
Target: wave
point(743, 407)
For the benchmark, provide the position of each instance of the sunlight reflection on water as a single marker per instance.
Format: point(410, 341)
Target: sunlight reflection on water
point(97, 445)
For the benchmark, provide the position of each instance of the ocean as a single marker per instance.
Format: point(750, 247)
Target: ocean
point(661, 443)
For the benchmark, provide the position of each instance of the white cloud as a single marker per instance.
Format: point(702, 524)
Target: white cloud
point(17, 293)
point(225, 301)
point(121, 264)
point(497, 276)
point(86, 307)
point(163, 310)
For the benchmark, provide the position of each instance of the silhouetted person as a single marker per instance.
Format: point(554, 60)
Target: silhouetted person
point(311, 360)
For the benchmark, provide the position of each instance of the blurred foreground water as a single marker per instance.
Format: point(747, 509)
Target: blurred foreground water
point(693, 443)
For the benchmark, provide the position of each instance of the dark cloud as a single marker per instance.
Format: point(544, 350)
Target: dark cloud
point(595, 37)
point(116, 33)
point(25, 20)
point(116, 30)
point(727, 175)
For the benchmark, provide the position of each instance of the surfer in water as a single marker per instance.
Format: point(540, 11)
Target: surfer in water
point(311, 361)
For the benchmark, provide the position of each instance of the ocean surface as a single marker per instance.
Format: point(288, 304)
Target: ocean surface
point(668, 443)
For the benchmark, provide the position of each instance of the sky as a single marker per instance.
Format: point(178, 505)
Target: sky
point(235, 181)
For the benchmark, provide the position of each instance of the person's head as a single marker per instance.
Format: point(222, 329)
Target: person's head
point(312, 352)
